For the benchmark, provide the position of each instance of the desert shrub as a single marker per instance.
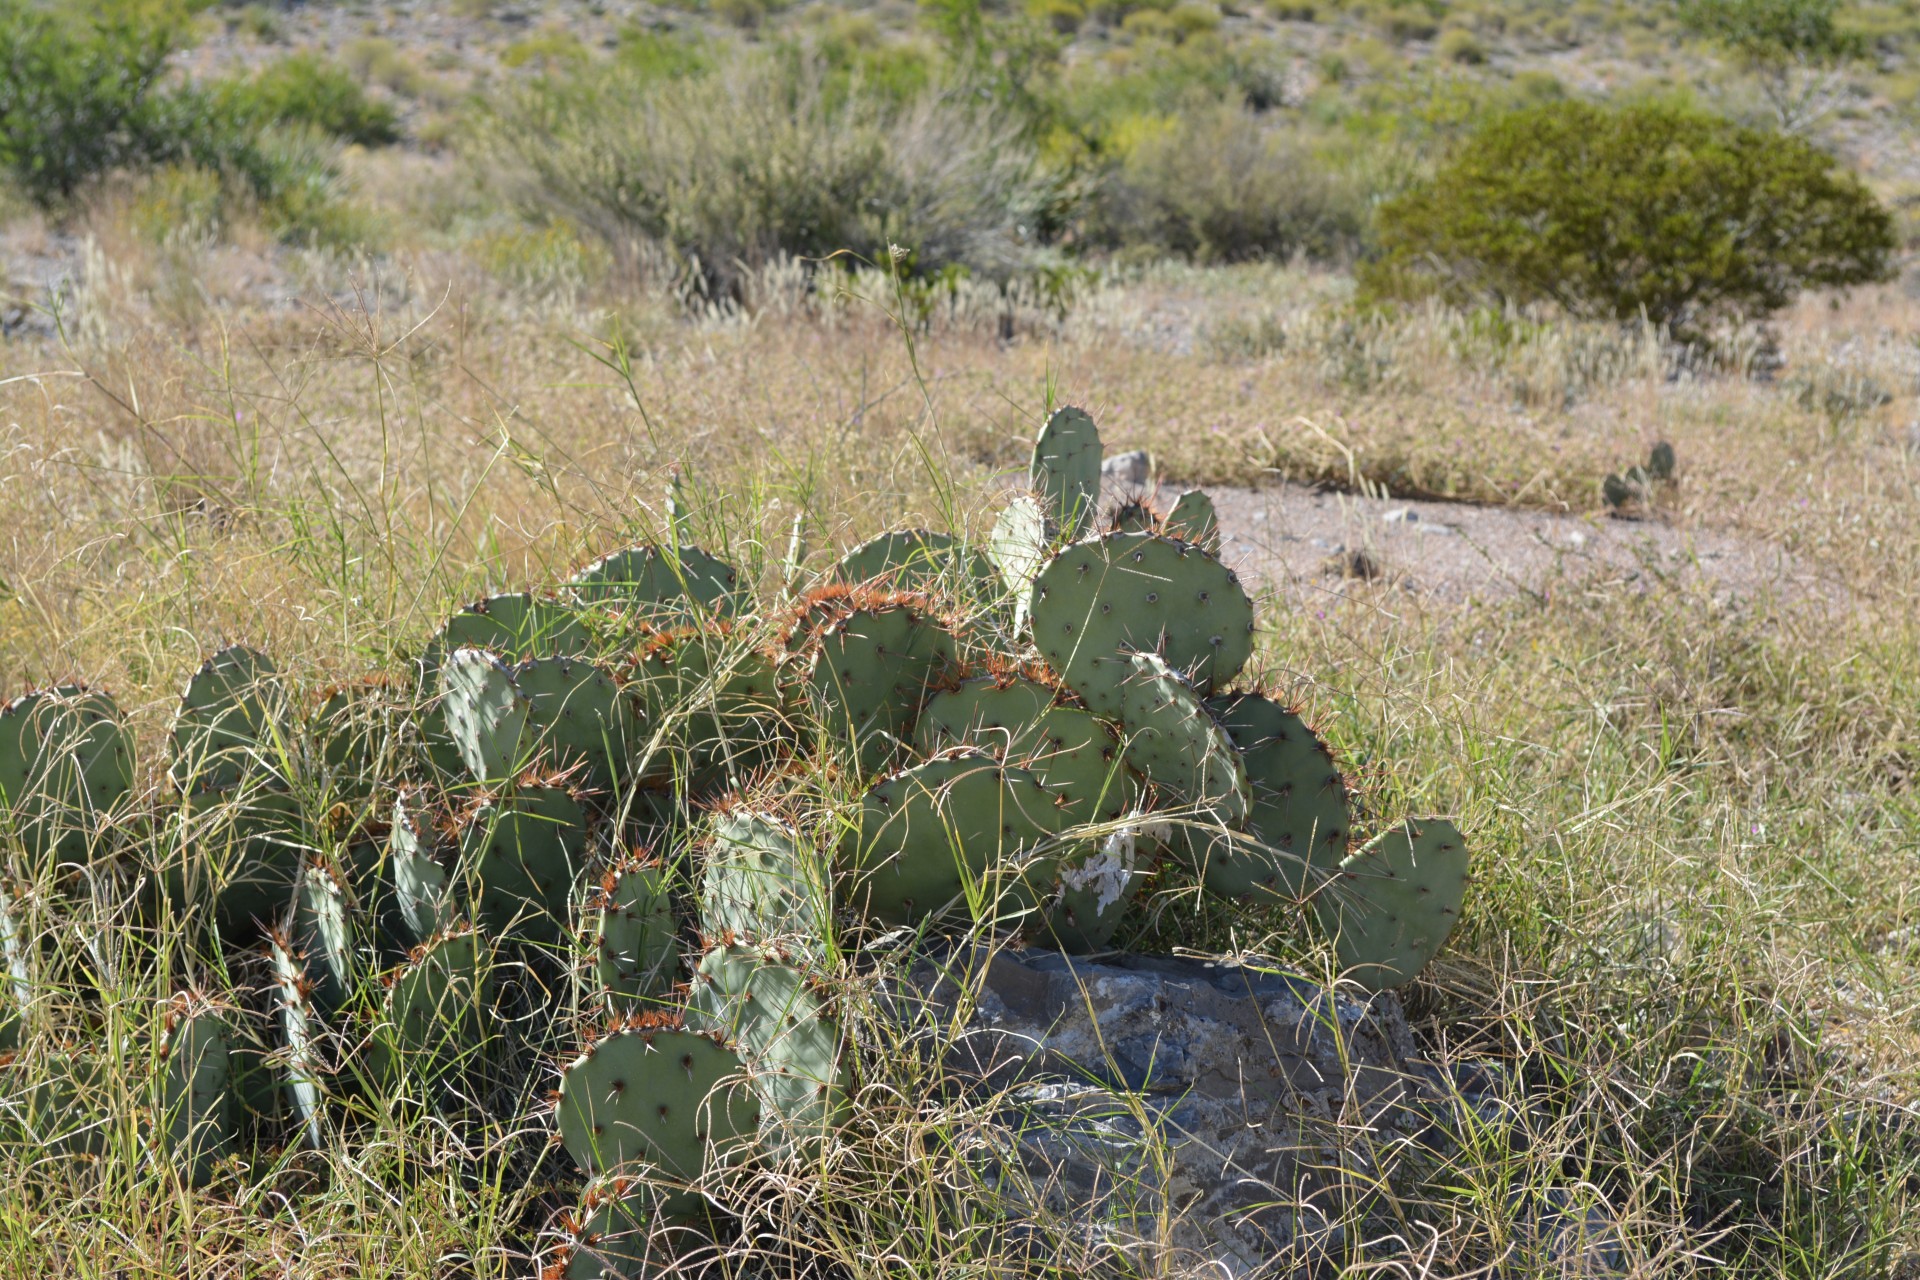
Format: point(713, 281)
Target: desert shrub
point(304, 89)
point(1219, 183)
point(1457, 44)
point(731, 170)
point(1649, 209)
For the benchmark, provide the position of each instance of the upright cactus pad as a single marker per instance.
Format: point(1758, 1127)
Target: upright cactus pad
point(1066, 469)
point(662, 586)
point(1299, 816)
point(961, 830)
point(636, 939)
point(416, 863)
point(577, 718)
point(1096, 881)
point(917, 560)
point(517, 625)
point(238, 854)
point(306, 1071)
point(66, 762)
point(324, 924)
point(1193, 519)
point(1395, 901)
point(353, 734)
point(437, 1021)
point(1075, 754)
point(711, 704)
point(232, 722)
point(521, 857)
point(198, 1113)
point(1100, 601)
point(871, 670)
point(663, 1101)
point(486, 713)
point(761, 882)
point(1018, 546)
point(792, 1046)
point(1174, 740)
point(616, 1234)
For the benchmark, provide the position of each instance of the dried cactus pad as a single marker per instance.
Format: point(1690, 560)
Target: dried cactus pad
point(791, 1044)
point(1100, 601)
point(1395, 901)
point(1175, 741)
point(231, 722)
point(962, 828)
point(669, 1101)
point(662, 585)
point(1066, 468)
point(1299, 811)
point(870, 673)
point(66, 759)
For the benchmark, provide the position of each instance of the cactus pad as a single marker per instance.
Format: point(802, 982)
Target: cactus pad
point(322, 929)
point(1100, 601)
point(870, 672)
point(416, 865)
point(1095, 883)
point(1193, 519)
point(66, 761)
point(711, 701)
point(1066, 469)
point(961, 828)
point(306, 1073)
point(1395, 900)
point(636, 942)
point(617, 1234)
point(1018, 546)
point(517, 625)
point(486, 713)
point(917, 560)
point(1075, 754)
point(199, 1116)
point(577, 718)
point(231, 722)
point(1299, 815)
point(660, 585)
point(435, 1026)
point(1175, 741)
point(760, 881)
point(520, 859)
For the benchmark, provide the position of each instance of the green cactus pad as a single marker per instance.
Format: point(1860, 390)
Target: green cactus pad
point(760, 881)
point(1066, 469)
point(618, 1234)
point(636, 939)
point(1100, 601)
point(667, 1101)
point(306, 1072)
point(416, 863)
point(198, 1113)
point(1095, 883)
point(1394, 901)
point(871, 670)
point(353, 735)
point(520, 859)
point(917, 560)
point(577, 717)
point(661, 586)
point(792, 1046)
point(56, 1104)
point(486, 714)
point(711, 702)
point(1134, 516)
point(958, 830)
point(437, 1021)
point(231, 723)
point(66, 763)
point(1193, 519)
point(1076, 755)
point(517, 625)
point(1174, 740)
point(1299, 815)
point(324, 922)
point(237, 853)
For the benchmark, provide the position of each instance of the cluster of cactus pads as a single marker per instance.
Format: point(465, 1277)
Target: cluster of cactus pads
point(645, 819)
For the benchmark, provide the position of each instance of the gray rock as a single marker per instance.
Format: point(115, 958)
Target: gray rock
point(1129, 470)
point(1158, 1112)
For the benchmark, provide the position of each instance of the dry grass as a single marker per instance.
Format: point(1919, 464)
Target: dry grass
point(1689, 949)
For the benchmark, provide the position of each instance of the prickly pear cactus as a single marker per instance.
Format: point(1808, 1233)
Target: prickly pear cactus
point(636, 939)
point(306, 1070)
point(1066, 469)
point(1096, 881)
point(1393, 902)
point(66, 763)
point(436, 1025)
point(659, 1100)
point(232, 723)
point(197, 1112)
point(353, 733)
point(917, 560)
point(486, 713)
point(1299, 815)
point(577, 718)
point(1100, 601)
point(521, 857)
point(416, 863)
point(791, 1044)
point(1018, 545)
point(960, 831)
point(517, 625)
point(1174, 740)
point(617, 1235)
point(761, 882)
point(1135, 515)
point(232, 859)
point(1076, 755)
point(870, 672)
point(662, 586)
point(1193, 519)
point(711, 705)
point(323, 925)
point(56, 1102)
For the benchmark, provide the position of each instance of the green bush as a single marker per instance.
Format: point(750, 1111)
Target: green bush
point(304, 89)
point(1653, 209)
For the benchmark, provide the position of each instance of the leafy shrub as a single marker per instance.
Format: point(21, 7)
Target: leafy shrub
point(1653, 209)
point(1457, 44)
point(304, 89)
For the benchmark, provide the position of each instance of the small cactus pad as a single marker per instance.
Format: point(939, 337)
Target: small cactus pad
point(323, 927)
point(1100, 601)
point(305, 1073)
point(1175, 741)
point(1018, 546)
point(871, 671)
point(352, 732)
point(667, 1100)
point(1066, 469)
point(661, 585)
point(1075, 754)
point(1299, 816)
point(66, 761)
point(56, 1104)
point(617, 1234)
point(577, 718)
point(231, 722)
point(792, 1046)
point(711, 704)
point(1096, 882)
point(520, 859)
point(241, 850)
point(917, 560)
point(636, 942)
point(1135, 515)
point(486, 713)
point(416, 863)
point(1395, 901)
point(198, 1114)
point(517, 625)
point(960, 828)
point(760, 881)
point(438, 1016)
point(1193, 519)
